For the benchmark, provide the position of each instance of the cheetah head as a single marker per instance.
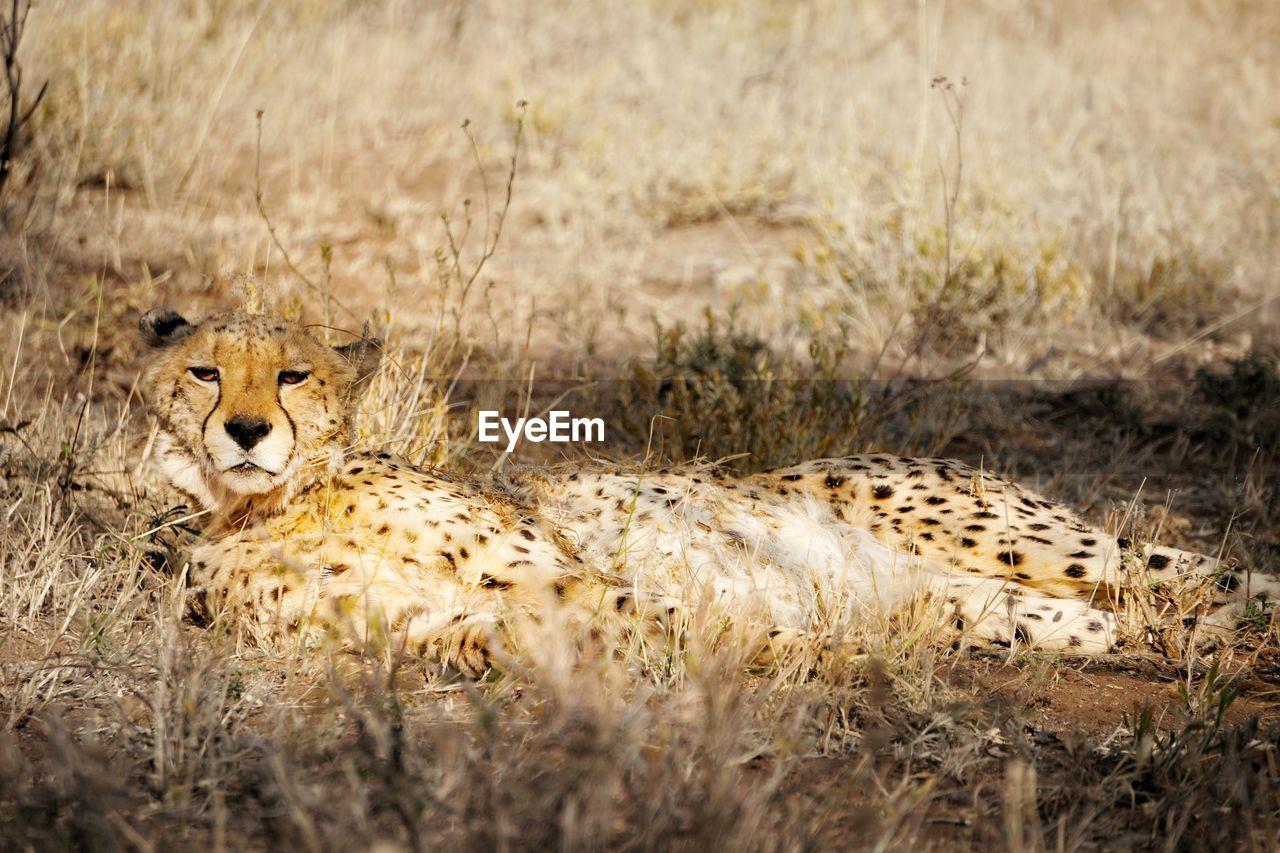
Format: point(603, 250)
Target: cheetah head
point(247, 403)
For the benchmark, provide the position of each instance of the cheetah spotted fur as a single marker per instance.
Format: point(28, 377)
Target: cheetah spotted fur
point(254, 415)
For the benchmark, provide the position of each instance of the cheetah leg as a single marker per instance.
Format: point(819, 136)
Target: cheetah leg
point(1003, 614)
point(471, 643)
point(781, 644)
point(475, 642)
point(1168, 563)
point(1236, 591)
point(472, 647)
point(606, 602)
point(991, 612)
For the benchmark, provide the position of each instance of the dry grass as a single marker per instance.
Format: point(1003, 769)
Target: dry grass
point(1087, 191)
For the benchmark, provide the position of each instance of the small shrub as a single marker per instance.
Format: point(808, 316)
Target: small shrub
point(994, 283)
point(1168, 297)
point(1250, 386)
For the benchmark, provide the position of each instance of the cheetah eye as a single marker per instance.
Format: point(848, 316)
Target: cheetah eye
point(204, 374)
point(293, 377)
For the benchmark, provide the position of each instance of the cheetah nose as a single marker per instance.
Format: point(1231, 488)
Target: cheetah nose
point(247, 431)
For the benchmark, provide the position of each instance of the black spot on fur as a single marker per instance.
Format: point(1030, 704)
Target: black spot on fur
point(1039, 526)
point(1010, 558)
point(935, 500)
point(975, 528)
point(527, 534)
point(490, 582)
point(834, 482)
point(1158, 561)
point(1075, 570)
point(1081, 555)
point(966, 542)
point(882, 492)
point(791, 478)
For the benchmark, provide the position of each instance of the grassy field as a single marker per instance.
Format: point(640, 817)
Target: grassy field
point(1039, 236)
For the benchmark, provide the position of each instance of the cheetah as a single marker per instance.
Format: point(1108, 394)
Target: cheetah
point(254, 419)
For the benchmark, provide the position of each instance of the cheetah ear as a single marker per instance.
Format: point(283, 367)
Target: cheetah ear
point(364, 355)
point(162, 327)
